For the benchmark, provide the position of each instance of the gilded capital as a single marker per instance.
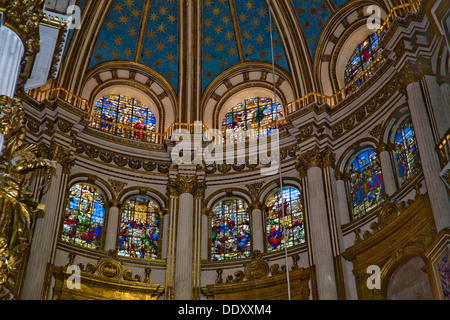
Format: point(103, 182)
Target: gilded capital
point(23, 17)
point(315, 158)
point(63, 156)
point(186, 184)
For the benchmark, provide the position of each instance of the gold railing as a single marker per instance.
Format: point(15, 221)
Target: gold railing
point(158, 138)
point(313, 97)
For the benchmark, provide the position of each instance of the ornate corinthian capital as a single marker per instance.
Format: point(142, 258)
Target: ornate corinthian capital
point(186, 184)
point(315, 158)
point(24, 16)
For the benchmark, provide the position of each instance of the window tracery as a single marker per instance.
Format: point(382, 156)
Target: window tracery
point(230, 230)
point(256, 117)
point(405, 152)
point(125, 117)
point(139, 229)
point(84, 217)
point(293, 213)
point(366, 182)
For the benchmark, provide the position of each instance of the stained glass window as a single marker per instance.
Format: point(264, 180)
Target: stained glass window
point(84, 217)
point(364, 55)
point(125, 117)
point(366, 182)
point(230, 230)
point(257, 115)
point(291, 204)
point(139, 229)
point(406, 153)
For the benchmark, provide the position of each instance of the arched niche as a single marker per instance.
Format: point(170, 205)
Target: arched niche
point(410, 282)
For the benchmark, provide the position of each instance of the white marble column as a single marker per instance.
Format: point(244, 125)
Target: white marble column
point(257, 226)
point(45, 236)
point(390, 186)
point(437, 191)
point(206, 234)
point(440, 109)
point(112, 227)
point(11, 54)
point(184, 250)
point(320, 236)
point(342, 203)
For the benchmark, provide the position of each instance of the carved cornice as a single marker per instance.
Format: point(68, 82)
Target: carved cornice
point(315, 158)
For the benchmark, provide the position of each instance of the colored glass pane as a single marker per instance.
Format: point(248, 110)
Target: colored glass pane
point(230, 230)
point(443, 269)
point(139, 229)
point(84, 217)
point(406, 153)
point(125, 117)
point(258, 115)
point(289, 206)
point(366, 183)
point(363, 56)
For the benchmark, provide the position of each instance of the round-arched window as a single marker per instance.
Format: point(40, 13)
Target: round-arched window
point(290, 207)
point(84, 217)
point(366, 182)
point(406, 152)
point(230, 230)
point(125, 117)
point(139, 229)
point(255, 117)
point(357, 68)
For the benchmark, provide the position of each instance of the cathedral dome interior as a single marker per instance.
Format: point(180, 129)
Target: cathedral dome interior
point(224, 150)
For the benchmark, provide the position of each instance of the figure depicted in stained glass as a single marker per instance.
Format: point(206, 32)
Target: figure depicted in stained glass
point(443, 269)
point(366, 182)
point(230, 230)
point(406, 153)
point(139, 229)
point(125, 117)
point(364, 55)
point(258, 114)
point(290, 207)
point(84, 216)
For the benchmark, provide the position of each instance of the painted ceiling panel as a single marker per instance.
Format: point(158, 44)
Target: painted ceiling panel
point(160, 42)
point(254, 26)
point(313, 16)
point(220, 49)
point(119, 34)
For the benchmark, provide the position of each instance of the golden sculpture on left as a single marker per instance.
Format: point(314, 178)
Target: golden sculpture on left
point(18, 163)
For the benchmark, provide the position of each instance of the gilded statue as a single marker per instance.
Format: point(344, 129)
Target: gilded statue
point(18, 163)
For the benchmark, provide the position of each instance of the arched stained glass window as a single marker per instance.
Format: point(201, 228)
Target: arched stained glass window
point(139, 229)
point(405, 151)
point(84, 217)
point(256, 117)
point(364, 55)
point(125, 117)
point(230, 230)
point(293, 212)
point(366, 182)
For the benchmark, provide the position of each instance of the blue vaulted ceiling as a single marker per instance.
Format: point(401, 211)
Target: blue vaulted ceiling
point(233, 32)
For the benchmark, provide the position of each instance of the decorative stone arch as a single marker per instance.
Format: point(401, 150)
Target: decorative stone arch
point(392, 123)
point(141, 81)
point(346, 29)
point(149, 193)
point(222, 194)
point(228, 87)
point(396, 261)
point(352, 151)
point(274, 185)
point(103, 186)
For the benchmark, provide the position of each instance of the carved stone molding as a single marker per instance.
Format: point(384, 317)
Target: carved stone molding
point(62, 155)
